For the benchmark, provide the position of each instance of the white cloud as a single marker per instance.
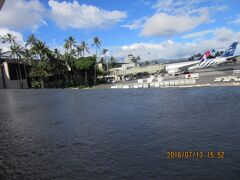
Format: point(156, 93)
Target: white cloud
point(176, 7)
point(22, 14)
point(162, 24)
point(150, 51)
point(136, 24)
point(199, 34)
point(174, 17)
point(190, 7)
point(220, 34)
point(220, 40)
point(75, 15)
point(18, 35)
point(236, 21)
point(225, 35)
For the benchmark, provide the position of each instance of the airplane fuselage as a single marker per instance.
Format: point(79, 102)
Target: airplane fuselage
point(204, 63)
point(174, 68)
point(209, 63)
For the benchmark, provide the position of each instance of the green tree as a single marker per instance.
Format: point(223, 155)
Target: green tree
point(31, 41)
point(85, 64)
point(70, 42)
point(146, 63)
point(112, 62)
point(9, 38)
point(97, 43)
point(27, 56)
point(70, 53)
point(58, 65)
point(138, 59)
point(133, 60)
point(41, 50)
point(84, 47)
point(15, 53)
point(79, 51)
point(40, 70)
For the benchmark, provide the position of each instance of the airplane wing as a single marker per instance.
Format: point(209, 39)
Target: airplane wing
point(233, 57)
point(184, 68)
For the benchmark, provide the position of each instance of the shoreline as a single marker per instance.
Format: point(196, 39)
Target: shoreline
point(182, 86)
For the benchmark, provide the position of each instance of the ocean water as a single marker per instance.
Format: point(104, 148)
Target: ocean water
point(119, 134)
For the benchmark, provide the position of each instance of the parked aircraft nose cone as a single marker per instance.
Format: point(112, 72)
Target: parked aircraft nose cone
point(1, 3)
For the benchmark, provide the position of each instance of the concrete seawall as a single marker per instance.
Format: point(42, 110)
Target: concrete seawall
point(163, 84)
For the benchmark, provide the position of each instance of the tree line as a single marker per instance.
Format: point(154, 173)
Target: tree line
point(213, 54)
point(54, 69)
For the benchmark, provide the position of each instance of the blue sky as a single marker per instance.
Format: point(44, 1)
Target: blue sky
point(151, 29)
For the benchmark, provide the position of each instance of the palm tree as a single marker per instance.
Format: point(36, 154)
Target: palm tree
point(66, 46)
point(58, 65)
point(16, 51)
point(31, 41)
point(85, 47)
point(9, 38)
point(41, 49)
point(70, 43)
point(57, 54)
point(104, 51)
point(27, 56)
point(79, 50)
point(97, 43)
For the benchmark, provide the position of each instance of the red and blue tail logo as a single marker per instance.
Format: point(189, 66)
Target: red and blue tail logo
point(230, 51)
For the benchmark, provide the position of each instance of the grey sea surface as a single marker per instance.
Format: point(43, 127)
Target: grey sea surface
point(119, 134)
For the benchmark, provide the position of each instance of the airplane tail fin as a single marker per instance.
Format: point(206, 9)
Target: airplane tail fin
point(230, 51)
point(206, 55)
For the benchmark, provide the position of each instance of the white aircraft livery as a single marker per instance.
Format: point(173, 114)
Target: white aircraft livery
point(174, 68)
point(225, 57)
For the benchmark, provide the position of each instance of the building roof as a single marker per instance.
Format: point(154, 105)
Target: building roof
point(2, 60)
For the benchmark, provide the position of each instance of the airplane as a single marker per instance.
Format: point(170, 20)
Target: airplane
point(224, 58)
point(176, 68)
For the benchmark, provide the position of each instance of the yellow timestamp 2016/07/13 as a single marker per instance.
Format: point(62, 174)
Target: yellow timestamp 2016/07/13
point(195, 155)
